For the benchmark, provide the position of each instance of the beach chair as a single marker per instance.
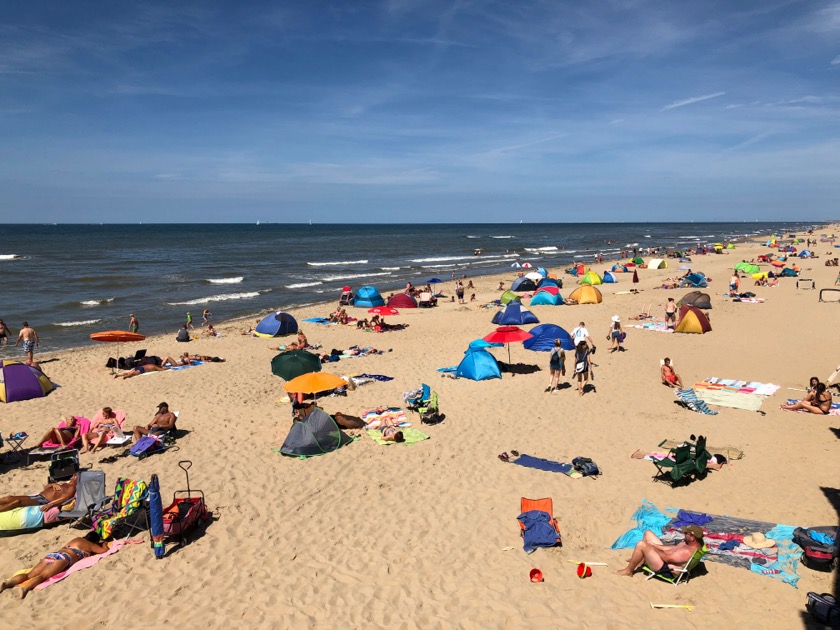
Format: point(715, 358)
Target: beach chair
point(47, 449)
point(90, 498)
point(684, 573)
point(414, 404)
point(126, 511)
point(426, 300)
point(544, 505)
point(430, 414)
point(701, 457)
point(673, 470)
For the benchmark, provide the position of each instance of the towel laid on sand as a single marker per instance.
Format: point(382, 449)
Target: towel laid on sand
point(734, 400)
point(85, 563)
point(538, 532)
point(741, 387)
point(689, 397)
point(389, 415)
point(833, 411)
point(410, 436)
point(548, 465)
point(654, 326)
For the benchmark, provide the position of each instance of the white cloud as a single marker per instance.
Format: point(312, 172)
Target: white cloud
point(835, 61)
point(692, 100)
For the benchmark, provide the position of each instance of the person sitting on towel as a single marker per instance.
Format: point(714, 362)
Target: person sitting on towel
point(162, 423)
point(669, 376)
point(818, 401)
point(664, 558)
point(53, 495)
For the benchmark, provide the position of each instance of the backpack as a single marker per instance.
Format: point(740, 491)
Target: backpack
point(585, 466)
point(824, 608)
point(817, 554)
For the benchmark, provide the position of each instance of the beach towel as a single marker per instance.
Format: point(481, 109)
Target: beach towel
point(834, 410)
point(538, 532)
point(391, 415)
point(181, 367)
point(377, 377)
point(88, 562)
point(410, 436)
point(316, 320)
point(547, 465)
point(689, 397)
point(734, 400)
point(741, 387)
point(654, 326)
point(749, 300)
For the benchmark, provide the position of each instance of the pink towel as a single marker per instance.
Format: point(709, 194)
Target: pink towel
point(120, 417)
point(84, 427)
point(85, 563)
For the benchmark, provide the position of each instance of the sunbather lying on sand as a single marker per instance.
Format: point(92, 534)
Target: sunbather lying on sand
point(56, 562)
point(53, 495)
point(141, 369)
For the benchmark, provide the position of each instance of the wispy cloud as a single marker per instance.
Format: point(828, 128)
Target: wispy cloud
point(750, 141)
point(835, 61)
point(691, 101)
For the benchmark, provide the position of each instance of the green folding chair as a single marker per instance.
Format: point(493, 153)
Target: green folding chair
point(680, 575)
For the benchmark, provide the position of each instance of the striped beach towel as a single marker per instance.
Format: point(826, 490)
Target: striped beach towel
point(689, 397)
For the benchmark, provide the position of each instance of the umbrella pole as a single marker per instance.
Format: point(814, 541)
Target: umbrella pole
point(508, 354)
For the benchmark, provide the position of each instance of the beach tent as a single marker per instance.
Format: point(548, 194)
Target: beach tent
point(314, 435)
point(481, 344)
point(619, 268)
point(478, 365)
point(548, 282)
point(402, 300)
point(544, 298)
point(692, 320)
point(759, 275)
point(514, 314)
point(609, 277)
point(19, 381)
point(368, 297)
point(587, 294)
point(657, 263)
point(695, 280)
point(697, 299)
point(787, 272)
point(590, 277)
point(544, 336)
point(508, 297)
point(638, 260)
point(553, 289)
point(276, 325)
point(805, 254)
point(523, 284)
point(730, 246)
point(542, 271)
point(746, 267)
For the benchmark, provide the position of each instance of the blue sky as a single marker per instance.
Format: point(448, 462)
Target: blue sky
point(408, 110)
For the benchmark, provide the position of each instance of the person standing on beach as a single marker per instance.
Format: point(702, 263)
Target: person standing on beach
point(459, 291)
point(205, 316)
point(189, 320)
point(581, 334)
point(133, 324)
point(556, 365)
point(4, 333)
point(30, 340)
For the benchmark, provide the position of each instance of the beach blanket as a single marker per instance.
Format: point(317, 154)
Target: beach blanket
point(689, 397)
point(749, 300)
point(734, 400)
point(391, 415)
point(833, 411)
point(724, 539)
point(538, 532)
point(376, 377)
point(654, 326)
point(85, 563)
point(316, 320)
point(452, 369)
point(741, 387)
point(410, 436)
point(547, 465)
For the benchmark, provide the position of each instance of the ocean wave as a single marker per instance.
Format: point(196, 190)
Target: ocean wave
point(9, 256)
point(471, 236)
point(440, 259)
point(449, 266)
point(350, 276)
point(96, 302)
point(337, 262)
point(390, 268)
point(551, 248)
point(224, 297)
point(235, 280)
point(504, 236)
point(86, 322)
point(569, 251)
point(301, 285)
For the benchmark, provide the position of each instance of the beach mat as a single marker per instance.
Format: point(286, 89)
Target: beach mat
point(654, 326)
point(689, 398)
point(538, 463)
point(741, 387)
point(412, 436)
point(731, 452)
point(734, 400)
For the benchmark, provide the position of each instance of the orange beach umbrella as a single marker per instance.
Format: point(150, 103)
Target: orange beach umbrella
point(117, 336)
point(314, 382)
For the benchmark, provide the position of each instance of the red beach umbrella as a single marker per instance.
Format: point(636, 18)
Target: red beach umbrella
point(635, 278)
point(117, 336)
point(508, 335)
point(383, 310)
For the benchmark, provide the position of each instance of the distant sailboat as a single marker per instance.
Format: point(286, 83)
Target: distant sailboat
point(310, 221)
point(258, 222)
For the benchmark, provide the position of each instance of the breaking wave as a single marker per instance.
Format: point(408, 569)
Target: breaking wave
point(224, 297)
point(337, 262)
point(96, 302)
point(235, 280)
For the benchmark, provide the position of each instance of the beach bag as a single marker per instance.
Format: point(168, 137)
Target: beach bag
point(824, 608)
point(585, 466)
point(146, 445)
point(819, 545)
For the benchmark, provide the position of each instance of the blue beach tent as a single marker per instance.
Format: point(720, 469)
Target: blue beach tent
point(523, 284)
point(514, 315)
point(609, 278)
point(695, 280)
point(478, 365)
point(368, 297)
point(548, 282)
point(542, 271)
point(544, 298)
point(480, 344)
point(544, 336)
point(276, 325)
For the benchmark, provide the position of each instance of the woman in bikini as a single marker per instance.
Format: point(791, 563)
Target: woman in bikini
point(818, 402)
point(64, 435)
point(102, 429)
point(56, 562)
point(671, 314)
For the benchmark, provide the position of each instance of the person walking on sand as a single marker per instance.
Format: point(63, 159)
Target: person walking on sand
point(671, 314)
point(30, 340)
point(133, 324)
point(205, 316)
point(556, 365)
point(189, 320)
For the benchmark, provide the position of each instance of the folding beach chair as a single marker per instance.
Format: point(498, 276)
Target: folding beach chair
point(544, 505)
point(48, 449)
point(684, 573)
point(127, 511)
point(90, 498)
point(673, 470)
point(414, 404)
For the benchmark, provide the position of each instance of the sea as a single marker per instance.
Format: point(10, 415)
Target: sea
point(69, 281)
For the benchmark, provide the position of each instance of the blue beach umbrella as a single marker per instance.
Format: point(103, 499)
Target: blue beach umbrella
point(434, 281)
point(156, 517)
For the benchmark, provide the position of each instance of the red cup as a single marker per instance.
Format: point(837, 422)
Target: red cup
point(536, 575)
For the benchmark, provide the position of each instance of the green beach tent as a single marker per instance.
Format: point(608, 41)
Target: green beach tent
point(508, 296)
point(746, 267)
point(590, 277)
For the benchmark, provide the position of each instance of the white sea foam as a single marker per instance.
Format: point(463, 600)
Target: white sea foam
point(440, 259)
point(569, 251)
point(337, 262)
point(505, 236)
point(541, 249)
point(390, 268)
point(224, 297)
point(350, 276)
point(8, 256)
point(471, 236)
point(86, 322)
point(449, 266)
point(301, 285)
point(96, 302)
point(235, 280)
point(647, 235)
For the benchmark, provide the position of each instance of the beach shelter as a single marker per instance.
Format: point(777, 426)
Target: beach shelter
point(516, 265)
point(542, 271)
point(314, 435)
point(368, 297)
point(514, 314)
point(590, 277)
point(787, 272)
point(697, 299)
point(478, 365)
point(760, 275)
point(507, 335)
point(544, 336)
point(276, 325)
point(657, 263)
point(805, 254)
point(290, 365)
point(619, 268)
point(402, 300)
point(553, 289)
point(547, 282)
point(638, 260)
point(523, 284)
point(746, 267)
point(480, 344)
point(19, 381)
point(533, 275)
point(508, 297)
point(544, 298)
point(730, 246)
point(695, 280)
point(692, 320)
point(587, 294)
point(609, 277)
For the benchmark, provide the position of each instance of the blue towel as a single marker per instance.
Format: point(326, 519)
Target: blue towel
point(377, 377)
point(821, 537)
point(646, 517)
point(316, 320)
point(728, 545)
point(538, 530)
point(453, 369)
point(689, 397)
point(542, 464)
point(690, 518)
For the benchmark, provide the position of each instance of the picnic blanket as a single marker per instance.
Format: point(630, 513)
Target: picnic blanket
point(689, 397)
point(749, 300)
point(529, 461)
point(724, 539)
point(654, 326)
point(734, 400)
point(410, 436)
point(833, 411)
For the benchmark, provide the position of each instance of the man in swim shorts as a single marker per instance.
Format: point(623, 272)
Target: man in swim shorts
point(53, 495)
point(30, 340)
point(669, 376)
point(663, 558)
point(163, 422)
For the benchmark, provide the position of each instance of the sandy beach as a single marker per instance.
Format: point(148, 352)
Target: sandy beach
point(426, 535)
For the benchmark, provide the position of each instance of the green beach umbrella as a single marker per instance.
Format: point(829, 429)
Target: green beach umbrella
point(289, 365)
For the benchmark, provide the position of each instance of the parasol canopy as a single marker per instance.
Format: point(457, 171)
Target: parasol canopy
point(383, 310)
point(508, 335)
point(290, 365)
point(314, 383)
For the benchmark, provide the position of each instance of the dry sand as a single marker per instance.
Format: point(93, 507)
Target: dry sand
point(426, 535)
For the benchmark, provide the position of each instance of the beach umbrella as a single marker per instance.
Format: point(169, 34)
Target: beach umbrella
point(527, 265)
point(635, 278)
point(314, 383)
point(516, 265)
point(117, 337)
point(434, 281)
point(156, 517)
point(289, 365)
point(508, 335)
point(383, 310)
point(536, 277)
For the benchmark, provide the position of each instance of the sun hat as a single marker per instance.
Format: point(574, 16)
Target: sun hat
point(757, 540)
point(694, 530)
point(616, 318)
